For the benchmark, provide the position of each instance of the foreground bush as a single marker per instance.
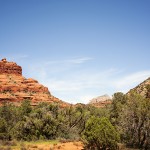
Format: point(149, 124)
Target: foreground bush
point(100, 134)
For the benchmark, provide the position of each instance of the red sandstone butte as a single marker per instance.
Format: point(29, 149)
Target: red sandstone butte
point(9, 67)
point(16, 88)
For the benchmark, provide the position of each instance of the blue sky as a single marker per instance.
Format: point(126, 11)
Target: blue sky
point(79, 49)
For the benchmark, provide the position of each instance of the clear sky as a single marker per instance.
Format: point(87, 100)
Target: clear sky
point(79, 49)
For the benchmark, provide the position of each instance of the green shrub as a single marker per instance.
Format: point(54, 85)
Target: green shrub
point(100, 134)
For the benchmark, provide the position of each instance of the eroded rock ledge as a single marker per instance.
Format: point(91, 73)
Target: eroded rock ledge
point(9, 67)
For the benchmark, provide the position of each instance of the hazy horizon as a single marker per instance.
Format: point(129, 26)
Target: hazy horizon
point(78, 49)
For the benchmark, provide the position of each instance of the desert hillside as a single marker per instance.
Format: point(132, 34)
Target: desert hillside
point(143, 89)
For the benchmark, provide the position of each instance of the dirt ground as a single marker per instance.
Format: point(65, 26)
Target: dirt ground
point(46, 146)
point(51, 145)
point(42, 145)
point(61, 146)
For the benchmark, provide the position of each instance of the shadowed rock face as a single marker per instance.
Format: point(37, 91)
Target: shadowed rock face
point(15, 88)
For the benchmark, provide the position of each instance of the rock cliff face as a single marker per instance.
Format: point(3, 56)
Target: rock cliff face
point(9, 68)
point(142, 89)
point(15, 88)
point(101, 101)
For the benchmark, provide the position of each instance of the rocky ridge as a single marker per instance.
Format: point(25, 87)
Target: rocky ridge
point(16, 88)
point(143, 89)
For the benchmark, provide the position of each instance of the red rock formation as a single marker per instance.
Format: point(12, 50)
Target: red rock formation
point(15, 88)
point(9, 67)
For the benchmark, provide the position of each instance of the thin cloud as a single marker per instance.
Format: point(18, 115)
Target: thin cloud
point(81, 85)
point(125, 83)
point(79, 60)
point(104, 82)
point(71, 61)
point(80, 80)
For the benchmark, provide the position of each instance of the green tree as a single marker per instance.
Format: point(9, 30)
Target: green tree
point(99, 134)
point(118, 102)
point(9, 117)
point(3, 129)
point(26, 107)
point(135, 121)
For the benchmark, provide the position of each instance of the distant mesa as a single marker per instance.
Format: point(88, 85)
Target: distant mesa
point(101, 101)
point(16, 88)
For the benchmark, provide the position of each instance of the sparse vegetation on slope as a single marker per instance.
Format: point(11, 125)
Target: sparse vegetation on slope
point(127, 119)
